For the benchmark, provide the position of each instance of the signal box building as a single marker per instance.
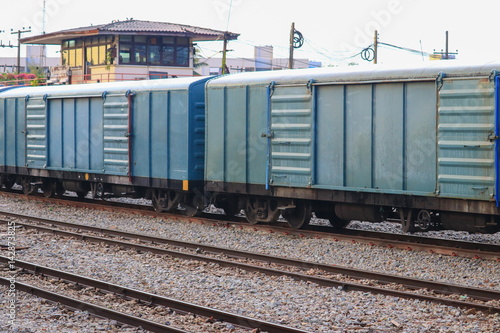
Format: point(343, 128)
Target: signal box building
point(126, 50)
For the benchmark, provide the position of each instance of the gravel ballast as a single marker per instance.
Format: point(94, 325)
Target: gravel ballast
point(277, 299)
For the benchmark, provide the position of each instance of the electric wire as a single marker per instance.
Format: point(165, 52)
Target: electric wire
point(319, 51)
point(229, 14)
point(404, 48)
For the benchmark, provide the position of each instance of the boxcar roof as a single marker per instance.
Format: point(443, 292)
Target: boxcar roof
point(99, 88)
point(363, 73)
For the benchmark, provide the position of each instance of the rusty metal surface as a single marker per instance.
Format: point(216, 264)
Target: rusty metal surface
point(369, 198)
point(401, 241)
point(153, 299)
point(441, 288)
point(94, 310)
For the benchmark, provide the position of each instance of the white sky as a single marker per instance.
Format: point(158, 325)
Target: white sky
point(333, 29)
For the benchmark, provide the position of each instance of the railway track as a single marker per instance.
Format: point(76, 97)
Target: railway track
point(407, 242)
point(148, 298)
point(444, 293)
point(93, 309)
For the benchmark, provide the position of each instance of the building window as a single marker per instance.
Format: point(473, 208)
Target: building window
point(154, 51)
point(133, 50)
point(93, 48)
point(125, 53)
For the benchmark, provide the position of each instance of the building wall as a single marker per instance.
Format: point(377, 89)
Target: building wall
point(263, 60)
point(9, 64)
point(237, 65)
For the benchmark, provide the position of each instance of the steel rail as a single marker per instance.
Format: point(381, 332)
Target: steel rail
point(92, 309)
point(442, 242)
point(153, 299)
point(465, 249)
point(440, 288)
point(449, 247)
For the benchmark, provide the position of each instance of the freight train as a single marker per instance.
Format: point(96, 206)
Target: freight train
point(363, 143)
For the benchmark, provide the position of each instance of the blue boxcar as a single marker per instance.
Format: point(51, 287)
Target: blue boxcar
point(358, 143)
point(111, 137)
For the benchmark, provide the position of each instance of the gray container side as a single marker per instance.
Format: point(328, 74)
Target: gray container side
point(236, 118)
point(169, 133)
point(375, 137)
point(12, 127)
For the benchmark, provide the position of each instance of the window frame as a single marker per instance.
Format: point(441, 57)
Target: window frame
point(142, 50)
point(160, 50)
point(73, 50)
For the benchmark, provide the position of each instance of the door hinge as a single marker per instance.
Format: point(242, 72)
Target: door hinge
point(267, 135)
point(439, 80)
point(492, 137)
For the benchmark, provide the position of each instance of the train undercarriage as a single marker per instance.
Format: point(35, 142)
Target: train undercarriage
point(268, 209)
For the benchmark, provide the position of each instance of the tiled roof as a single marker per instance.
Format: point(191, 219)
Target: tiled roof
point(131, 27)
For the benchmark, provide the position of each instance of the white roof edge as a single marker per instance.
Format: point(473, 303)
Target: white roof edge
point(98, 88)
point(428, 70)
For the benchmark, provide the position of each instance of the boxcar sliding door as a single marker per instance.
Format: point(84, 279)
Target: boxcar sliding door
point(291, 135)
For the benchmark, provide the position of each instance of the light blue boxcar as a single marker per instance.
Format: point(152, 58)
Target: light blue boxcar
point(12, 138)
point(141, 133)
point(375, 135)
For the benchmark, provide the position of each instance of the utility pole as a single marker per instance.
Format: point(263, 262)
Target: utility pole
point(224, 55)
point(290, 58)
point(19, 32)
point(446, 54)
point(375, 47)
point(43, 52)
point(446, 46)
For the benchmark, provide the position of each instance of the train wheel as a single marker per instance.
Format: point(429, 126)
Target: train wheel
point(328, 213)
point(261, 210)
point(48, 188)
point(231, 206)
point(28, 187)
point(8, 182)
point(337, 223)
point(164, 201)
point(251, 216)
point(195, 205)
point(158, 204)
point(299, 216)
point(252, 210)
point(424, 220)
point(406, 216)
point(82, 194)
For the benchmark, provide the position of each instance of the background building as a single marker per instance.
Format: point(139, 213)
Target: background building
point(35, 59)
point(263, 61)
point(126, 50)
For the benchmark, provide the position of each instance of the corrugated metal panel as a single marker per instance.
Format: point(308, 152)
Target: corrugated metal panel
point(116, 136)
point(365, 137)
point(36, 132)
point(236, 152)
point(371, 137)
point(12, 132)
point(466, 161)
point(234, 129)
point(359, 138)
point(292, 140)
point(74, 129)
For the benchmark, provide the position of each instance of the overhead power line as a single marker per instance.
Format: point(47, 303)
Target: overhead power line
point(404, 48)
